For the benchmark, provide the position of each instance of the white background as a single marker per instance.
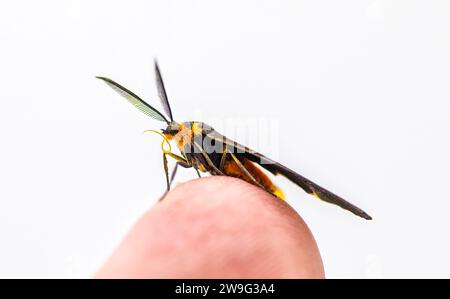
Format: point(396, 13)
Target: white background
point(360, 89)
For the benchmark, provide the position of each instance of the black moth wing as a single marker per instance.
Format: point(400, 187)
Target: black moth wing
point(277, 168)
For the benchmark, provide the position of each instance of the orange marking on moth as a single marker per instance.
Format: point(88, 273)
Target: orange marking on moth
point(232, 169)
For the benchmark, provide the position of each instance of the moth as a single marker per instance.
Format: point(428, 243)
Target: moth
point(206, 150)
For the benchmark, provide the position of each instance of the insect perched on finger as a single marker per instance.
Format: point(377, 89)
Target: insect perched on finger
point(206, 150)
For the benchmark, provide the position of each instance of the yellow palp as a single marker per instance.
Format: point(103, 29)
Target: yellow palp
point(165, 140)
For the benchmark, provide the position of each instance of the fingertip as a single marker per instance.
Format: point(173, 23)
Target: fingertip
point(217, 227)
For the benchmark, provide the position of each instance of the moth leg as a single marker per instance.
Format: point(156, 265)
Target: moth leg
point(182, 163)
point(166, 171)
point(187, 164)
point(174, 173)
point(175, 168)
point(208, 160)
point(245, 171)
point(177, 158)
point(222, 160)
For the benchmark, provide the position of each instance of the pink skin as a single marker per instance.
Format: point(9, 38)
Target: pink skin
point(217, 227)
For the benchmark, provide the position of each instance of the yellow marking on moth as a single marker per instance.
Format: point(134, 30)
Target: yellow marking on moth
point(168, 136)
point(183, 137)
point(196, 129)
point(278, 193)
point(201, 167)
point(315, 195)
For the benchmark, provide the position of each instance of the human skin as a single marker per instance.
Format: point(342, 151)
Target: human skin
point(217, 227)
